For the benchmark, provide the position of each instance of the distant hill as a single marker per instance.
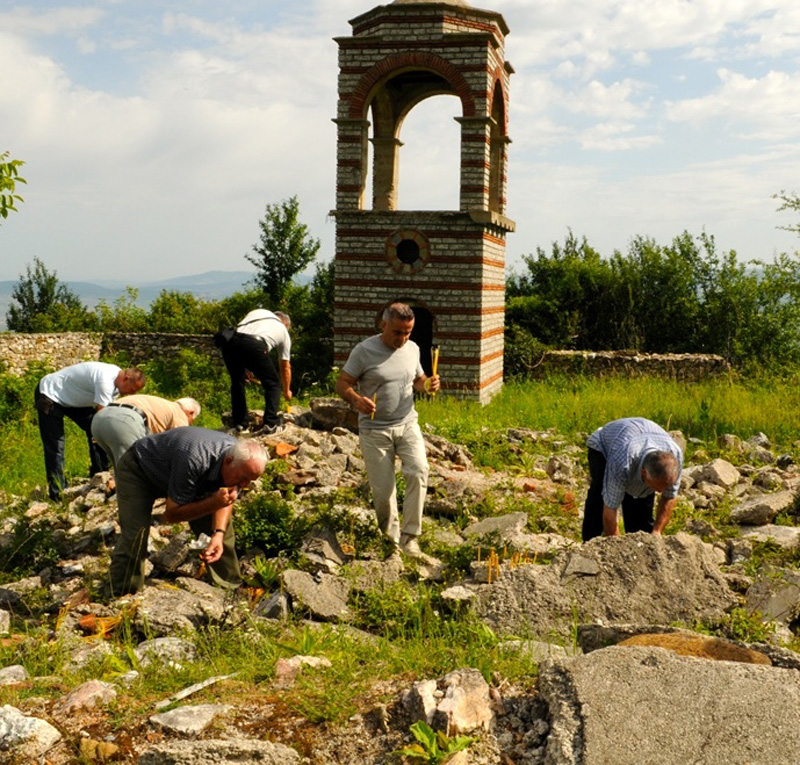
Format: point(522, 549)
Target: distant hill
point(211, 285)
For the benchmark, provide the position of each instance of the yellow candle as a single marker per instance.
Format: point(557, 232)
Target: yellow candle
point(435, 359)
point(374, 401)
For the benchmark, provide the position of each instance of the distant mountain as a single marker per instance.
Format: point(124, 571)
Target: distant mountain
point(211, 285)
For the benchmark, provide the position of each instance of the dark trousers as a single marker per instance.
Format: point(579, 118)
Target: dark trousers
point(51, 430)
point(240, 354)
point(135, 497)
point(637, 512)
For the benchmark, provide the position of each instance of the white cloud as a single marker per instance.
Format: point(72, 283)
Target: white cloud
point(764, 108)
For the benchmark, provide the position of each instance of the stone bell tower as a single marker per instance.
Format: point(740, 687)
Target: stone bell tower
point(448, 265)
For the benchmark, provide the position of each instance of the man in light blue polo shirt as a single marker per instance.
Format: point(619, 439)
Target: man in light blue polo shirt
point(629, 460)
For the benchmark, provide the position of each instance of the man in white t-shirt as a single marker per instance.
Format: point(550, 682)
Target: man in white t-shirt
point(77, 391)
point(249, 351)
point(386, 369)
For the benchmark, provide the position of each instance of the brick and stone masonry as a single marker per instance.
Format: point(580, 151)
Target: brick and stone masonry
point(448, 265)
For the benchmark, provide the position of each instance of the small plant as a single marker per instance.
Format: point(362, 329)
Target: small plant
point(433, 747)
point(267, 572)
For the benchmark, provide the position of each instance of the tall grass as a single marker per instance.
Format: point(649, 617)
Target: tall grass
point(577, 405)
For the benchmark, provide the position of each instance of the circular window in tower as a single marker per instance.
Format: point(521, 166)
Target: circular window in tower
point(407, 251)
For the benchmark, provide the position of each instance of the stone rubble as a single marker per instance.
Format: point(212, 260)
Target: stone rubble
point(564, 605)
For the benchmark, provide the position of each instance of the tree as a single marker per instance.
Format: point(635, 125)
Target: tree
point(789, 202)
point(286, 248)
point(9, 178)
point(43, 304)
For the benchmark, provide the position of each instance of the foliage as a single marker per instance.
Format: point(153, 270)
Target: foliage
point(9, 178)
point(285, 249)
point(789, 201)
point(311, 309)
point(433, 747)
point(188, 372)
point(40, 303)
point(683, 297)
point(268, 522)
point(31, 549)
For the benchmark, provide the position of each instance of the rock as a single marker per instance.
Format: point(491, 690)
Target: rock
point(5, 622)
point(171, 651)
point(26, 736)
point(91, 694)
point(325, 597)
point(189, 720)
point(775, 595)
point(701, 646)
point(692, 710)
point(538, 650)
point(366, 575)
point(420, 700)
point(763, 509)
point(642, 578)
point(97, 751)
point(466, 705)
point(787, 537)
point(458, 594)
point(731, 443)
point(175, 554)
point(330, 413)
point(14, 675)
point(504, 528)
point(719, 472)
point(229, 752)
point(165, 610)
point(276, 606)
point(286, 670)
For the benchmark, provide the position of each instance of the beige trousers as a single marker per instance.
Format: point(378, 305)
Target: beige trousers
point(379, 448)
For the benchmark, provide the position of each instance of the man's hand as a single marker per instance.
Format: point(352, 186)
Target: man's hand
point(213, 552)
point(226, 495)
point(432, 384)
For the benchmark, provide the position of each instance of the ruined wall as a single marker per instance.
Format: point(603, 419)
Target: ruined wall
point(58, 350)
point(686, 367)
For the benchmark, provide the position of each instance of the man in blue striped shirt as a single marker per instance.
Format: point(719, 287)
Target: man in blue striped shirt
point(200, 472)
point(629, 460)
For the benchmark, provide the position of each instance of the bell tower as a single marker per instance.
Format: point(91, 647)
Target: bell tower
point(449, 265)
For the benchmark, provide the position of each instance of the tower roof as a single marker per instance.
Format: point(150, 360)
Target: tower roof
point(462, 3)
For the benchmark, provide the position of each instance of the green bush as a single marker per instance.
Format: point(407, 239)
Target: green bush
point(31, 549)
point(265, 520)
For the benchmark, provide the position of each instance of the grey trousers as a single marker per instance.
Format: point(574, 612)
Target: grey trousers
point(116, 429)
point(135, 495)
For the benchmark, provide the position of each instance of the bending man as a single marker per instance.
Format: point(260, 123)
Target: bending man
point(124, 421)
point(629, 460)
point(200, 472)
point(78, 392)
point(386, 368)
point(248, 351)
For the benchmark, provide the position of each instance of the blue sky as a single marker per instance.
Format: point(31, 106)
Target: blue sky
point(154, 133)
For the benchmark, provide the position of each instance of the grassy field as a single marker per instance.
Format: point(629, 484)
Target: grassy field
point(417, 634)
point(571, 406)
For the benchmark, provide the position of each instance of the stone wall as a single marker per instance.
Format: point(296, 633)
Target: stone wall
point(686, 367)
point(57, 350)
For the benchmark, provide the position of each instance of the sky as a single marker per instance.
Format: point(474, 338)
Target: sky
point(154, 133)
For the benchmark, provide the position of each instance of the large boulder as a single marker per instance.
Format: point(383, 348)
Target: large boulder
point(634, 578)
point(634, 705)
